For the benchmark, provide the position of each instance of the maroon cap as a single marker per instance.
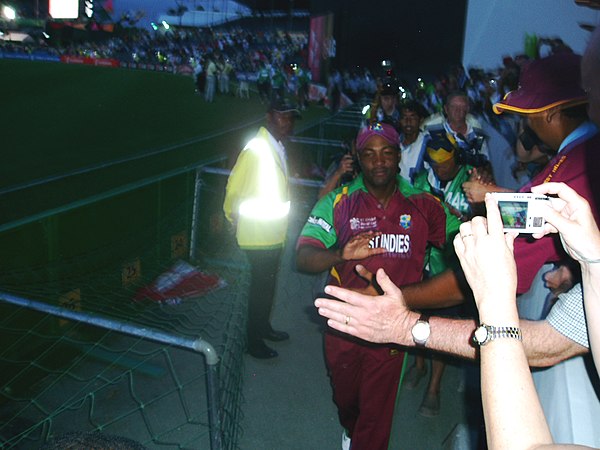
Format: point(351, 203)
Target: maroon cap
point(384, 130)
point(545, 83)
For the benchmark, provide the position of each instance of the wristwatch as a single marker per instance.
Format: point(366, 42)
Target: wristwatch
point(421, 330)
point(486, 333)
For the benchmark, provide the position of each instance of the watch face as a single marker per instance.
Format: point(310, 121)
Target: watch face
point(481, 334)
point(421, 331)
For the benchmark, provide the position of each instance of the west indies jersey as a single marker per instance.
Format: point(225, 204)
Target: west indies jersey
point(411, 221)
point(577, 165)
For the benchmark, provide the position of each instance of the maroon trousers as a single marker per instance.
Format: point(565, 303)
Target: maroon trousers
point(365, 381)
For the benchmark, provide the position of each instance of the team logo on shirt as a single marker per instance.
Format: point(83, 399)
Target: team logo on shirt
point(406, 221)
point(363, 223)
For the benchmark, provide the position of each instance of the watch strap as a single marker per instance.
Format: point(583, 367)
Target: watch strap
point(494, 332)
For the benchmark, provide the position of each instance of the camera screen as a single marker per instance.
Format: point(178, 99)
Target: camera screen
point(514, 214)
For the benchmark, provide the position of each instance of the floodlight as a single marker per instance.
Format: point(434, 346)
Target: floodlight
point(64, 9)
point(165, 24)
point(89, 8)
point(9, 12)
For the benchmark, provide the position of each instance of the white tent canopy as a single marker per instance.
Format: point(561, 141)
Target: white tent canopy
point(497, 28)
point(15, 36)
point(209, 12)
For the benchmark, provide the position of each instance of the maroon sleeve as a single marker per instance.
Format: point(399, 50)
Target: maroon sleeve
point(531, 255)
point(435, 215)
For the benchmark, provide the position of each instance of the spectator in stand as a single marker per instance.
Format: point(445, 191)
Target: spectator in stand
point(304, 78)
point(263, 83)
point(224, 76)
point(278, 82)
point(412, 140)
point(465, 129)
point(211, 80)
point(243, 90)
point(334, 90)
point(200, 77)
point(386, 104)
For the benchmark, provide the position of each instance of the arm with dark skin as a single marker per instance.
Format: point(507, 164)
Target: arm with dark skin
point(345, 166)
point(314, 259)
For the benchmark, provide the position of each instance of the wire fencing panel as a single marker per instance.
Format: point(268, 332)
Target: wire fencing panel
point(111, 259)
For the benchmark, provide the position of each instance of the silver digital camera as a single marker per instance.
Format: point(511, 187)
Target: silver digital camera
point(521, 212)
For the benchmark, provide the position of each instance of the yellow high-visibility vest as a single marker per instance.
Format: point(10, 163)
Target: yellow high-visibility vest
point(257, 195)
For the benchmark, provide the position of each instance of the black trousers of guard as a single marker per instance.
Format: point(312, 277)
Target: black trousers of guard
point(264, 265)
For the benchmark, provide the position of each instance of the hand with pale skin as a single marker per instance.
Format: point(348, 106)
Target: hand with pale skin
point(571, 216)
point(381, 319)
point(486, 256)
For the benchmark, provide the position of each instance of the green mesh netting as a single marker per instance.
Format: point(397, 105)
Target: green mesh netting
point(60, 376)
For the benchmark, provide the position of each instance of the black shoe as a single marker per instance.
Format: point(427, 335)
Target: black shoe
point(276, 336)
point(261, 351)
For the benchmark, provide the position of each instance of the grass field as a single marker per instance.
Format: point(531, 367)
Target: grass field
point(60, 119)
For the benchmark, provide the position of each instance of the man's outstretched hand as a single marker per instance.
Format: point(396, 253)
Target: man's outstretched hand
point(381, 319)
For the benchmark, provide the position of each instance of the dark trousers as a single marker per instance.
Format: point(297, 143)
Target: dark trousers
point(264, 265)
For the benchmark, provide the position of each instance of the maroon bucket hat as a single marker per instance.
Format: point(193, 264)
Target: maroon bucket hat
point(544, 84)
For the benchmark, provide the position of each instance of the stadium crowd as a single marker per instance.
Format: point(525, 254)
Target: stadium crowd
point(284, 55)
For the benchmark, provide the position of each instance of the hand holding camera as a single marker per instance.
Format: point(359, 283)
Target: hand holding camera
point(522, 212)
point(572, 217)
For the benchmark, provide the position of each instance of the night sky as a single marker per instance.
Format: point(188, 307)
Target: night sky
point(420, 36)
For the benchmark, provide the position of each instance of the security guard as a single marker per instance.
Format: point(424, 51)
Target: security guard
point(257, 204)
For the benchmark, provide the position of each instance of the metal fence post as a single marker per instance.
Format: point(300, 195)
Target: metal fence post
point(194, 232)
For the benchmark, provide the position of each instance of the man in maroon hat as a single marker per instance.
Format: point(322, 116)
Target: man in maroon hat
point(555, 107)
point(378, 220)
